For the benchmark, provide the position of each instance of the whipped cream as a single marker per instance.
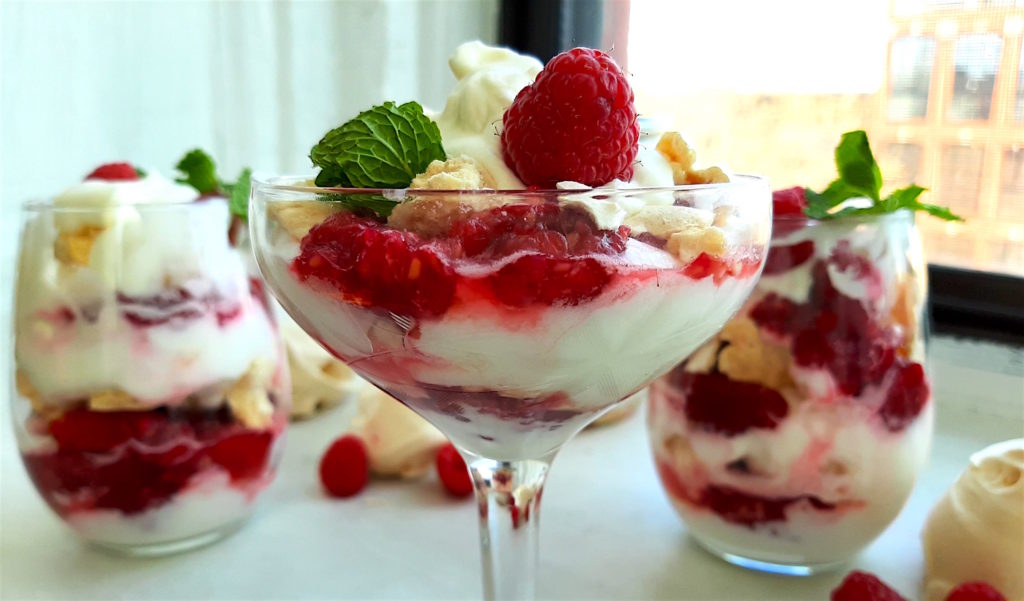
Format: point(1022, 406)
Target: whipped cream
point(488, 80)
point(73, 337)
point(976, 531)
point(398, 442)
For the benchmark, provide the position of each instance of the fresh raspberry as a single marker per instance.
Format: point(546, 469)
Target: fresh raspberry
point(789, 202)
point(718, 404)
point(114, 172)
point(575, 122)
point(784, 258)
point(862, 586)
point(975, 591)
point(906, 396)
point(452, 470)
point(345, 467)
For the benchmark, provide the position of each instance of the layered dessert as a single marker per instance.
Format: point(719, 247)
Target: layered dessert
point(796, 434)
point(154, 389)
point(976, 530)
point(533, 263)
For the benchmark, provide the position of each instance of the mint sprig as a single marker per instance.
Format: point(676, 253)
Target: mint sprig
point(198, 170)
point(383, 147)
point(860, 177)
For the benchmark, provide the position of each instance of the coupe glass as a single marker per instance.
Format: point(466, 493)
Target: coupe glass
point(152, 387)
point(509, 321)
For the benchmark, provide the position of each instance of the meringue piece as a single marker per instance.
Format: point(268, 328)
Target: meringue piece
point(663, 221)
point(398, 441)
point(319, 380)
point(689, 244)
point(297, 218)
point(248, 399)
point(75, 248)
point(976, 531)
point(679, 154)
point(460, 173)
point(115, 400)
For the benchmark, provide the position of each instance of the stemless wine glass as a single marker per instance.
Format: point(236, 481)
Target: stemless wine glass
point(508, 318)
point(152, 387)
point(792, 439)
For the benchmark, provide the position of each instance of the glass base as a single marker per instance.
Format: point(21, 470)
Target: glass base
point(173, 547)
point(785, 569)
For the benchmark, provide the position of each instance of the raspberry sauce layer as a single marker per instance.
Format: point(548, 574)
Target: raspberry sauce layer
point(133, 461)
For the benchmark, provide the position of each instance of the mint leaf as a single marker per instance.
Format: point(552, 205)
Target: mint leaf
point(383, 147)
point(856, 164)
point(140, 172)
point(860, 176)
point(372, 205)
point(903, 198)
point(330, 176)
point(820, 203)
point(199, 172)
point(935, 211)
point(238, 194)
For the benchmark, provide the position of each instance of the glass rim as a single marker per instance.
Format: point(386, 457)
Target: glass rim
point(45, 205)
point(803, 220)
point(301, 184)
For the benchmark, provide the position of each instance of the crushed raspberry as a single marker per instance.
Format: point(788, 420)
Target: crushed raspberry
point(832, 330)
point(738, 507)
point(784, 258)
point(776, 314)
point(575, 122)
point(377, 266)
point(975, 591)
point(345, 467)
point(452, 471)
point(114, 172)
point(789, 202)
point(718, 404)
point(176, 304)
point(136, 460)
point(539, 279)
point(906, 396)
point(862, 586)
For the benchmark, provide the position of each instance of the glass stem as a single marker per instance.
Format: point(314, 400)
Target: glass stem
point(508, 499)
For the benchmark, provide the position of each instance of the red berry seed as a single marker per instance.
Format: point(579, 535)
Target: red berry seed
point(575, 122)
point(862, 586)
point(975, 591)
point(345, 467)
point(452, 470)
point(114, 172)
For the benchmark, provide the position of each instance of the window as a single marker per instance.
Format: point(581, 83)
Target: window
point(976, 64)
point(901, 164)
point(960, 179)
point(1011, 188)
point(1019, 112)
point(911, 61)
point(937, 84)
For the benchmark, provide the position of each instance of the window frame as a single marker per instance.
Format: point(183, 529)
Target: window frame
point(961, 301)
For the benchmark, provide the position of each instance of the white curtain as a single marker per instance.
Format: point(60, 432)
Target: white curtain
point(254, 83)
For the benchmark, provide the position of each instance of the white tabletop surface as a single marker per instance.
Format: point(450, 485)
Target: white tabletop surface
point(608, 531)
